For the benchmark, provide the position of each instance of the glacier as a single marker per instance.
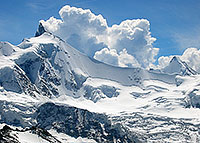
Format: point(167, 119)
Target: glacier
point(51, 92)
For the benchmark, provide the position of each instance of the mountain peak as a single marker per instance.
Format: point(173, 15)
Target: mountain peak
point(40, 30)
point(177, 66)
point(176, 59)
point(6, 49)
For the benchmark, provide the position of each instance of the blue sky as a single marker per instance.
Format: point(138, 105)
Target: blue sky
point(175, 23)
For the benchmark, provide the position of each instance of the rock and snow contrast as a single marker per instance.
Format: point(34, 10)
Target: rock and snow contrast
point(52, 93)
point(176, 66)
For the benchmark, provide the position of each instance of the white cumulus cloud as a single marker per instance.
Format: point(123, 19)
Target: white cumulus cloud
point(192, 57)
point(107, 56)
point(110, 56)
point(127, 44)
point(163, 61)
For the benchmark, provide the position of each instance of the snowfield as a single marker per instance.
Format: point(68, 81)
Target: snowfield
point(138, 105)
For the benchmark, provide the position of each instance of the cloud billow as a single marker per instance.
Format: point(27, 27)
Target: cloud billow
point(128, 44)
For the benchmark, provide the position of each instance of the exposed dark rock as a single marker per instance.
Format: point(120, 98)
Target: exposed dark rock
point(9, 135)
point(79, 122)
point(40, 30)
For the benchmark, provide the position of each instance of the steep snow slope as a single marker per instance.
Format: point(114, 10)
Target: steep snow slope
point(46, 65)
point(60, 54)
point(58, 69)
point(176, 66)
point(46, 69)
point(6, 49)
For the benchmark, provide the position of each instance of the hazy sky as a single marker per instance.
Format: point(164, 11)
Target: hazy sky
point(174, 23)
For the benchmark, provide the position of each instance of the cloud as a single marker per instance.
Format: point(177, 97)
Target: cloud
point(127, 44)
point(191, 56)
point(127, 60)
point(38, 6)
point(110, 56)
point(189, 39)
point(107, 56)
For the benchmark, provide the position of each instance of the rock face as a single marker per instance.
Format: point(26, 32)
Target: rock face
point(159, 128)
point(11, 135)
point(14, 79)
point(78, 122)
point(193, 98)
point(40, 30)
point(5, 136)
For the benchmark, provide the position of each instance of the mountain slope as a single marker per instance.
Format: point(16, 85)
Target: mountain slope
point(43, 79)
point(176, 66)
point(56, 68)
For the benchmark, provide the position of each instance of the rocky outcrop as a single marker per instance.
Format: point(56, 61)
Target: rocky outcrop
point(79, 122)
point(10, 135)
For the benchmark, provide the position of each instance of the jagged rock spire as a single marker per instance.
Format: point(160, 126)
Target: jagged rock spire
point(40, 30)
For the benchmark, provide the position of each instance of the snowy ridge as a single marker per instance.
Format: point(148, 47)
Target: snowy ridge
point(6, 49)
point(176, 66)
point(44, 72)
point(49, 58)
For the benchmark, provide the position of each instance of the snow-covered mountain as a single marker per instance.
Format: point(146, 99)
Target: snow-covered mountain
point(51, 92)
point(176, 66)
